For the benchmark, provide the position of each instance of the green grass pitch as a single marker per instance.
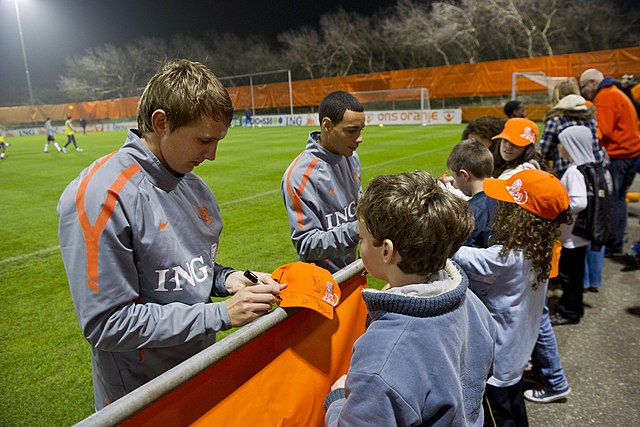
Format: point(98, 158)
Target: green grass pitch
point(45, 372)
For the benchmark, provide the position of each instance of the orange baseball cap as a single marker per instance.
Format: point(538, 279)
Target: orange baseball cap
point(533, 190)
point(519, 131)
point(308, 286)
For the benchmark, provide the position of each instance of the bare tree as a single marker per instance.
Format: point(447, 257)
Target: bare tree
point(414, 33)
point(103, 72)
point(304, 50)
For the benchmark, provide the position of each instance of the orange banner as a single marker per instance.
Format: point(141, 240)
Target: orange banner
point(454, 81)
point(279, 379)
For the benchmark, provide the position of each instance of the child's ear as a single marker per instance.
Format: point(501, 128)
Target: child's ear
point(465, 174)
point(388, 251)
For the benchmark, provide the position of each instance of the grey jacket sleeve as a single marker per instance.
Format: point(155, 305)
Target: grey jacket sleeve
point(368, 398)
point(220, 274)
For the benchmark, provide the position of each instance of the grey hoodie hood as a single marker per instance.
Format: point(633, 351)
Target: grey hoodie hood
point(578, 141)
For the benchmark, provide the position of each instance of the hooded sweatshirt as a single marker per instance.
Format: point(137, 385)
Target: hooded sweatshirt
point(424, 359)
point(617, 120)
point(577, 141)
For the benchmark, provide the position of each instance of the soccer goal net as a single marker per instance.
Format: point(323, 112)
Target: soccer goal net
point(410, 100)
point(537, 77)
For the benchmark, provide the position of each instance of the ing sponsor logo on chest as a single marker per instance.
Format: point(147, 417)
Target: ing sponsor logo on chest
point(340, 217)
point(193, 273)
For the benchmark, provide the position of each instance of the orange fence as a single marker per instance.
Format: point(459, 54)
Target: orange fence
point(463, 80)
point(534, 112)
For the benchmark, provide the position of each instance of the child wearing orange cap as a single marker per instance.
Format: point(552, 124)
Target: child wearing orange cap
point(515, 149)
point(428, 351)
point(510, 277)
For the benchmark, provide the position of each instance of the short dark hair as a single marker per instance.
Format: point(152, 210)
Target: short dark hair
point(512, 106)
point(473, 157)
point(336, 103)
point(426, 223)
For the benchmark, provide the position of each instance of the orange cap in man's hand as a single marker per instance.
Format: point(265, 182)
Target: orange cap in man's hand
point(308, 286)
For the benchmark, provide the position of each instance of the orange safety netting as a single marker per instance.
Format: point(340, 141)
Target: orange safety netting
point(463, 80)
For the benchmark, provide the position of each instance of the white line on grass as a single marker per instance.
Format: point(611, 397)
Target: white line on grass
point(244, 199)
point(411, 156)
point(6, 261)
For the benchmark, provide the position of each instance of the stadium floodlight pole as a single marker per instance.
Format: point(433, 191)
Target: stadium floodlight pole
point(24, 54)
point(290, 93)
point(253, 102)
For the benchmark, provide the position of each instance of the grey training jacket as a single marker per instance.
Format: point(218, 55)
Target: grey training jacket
point(139, 246)
point(321, 191)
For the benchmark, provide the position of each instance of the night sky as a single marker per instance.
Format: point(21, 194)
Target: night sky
point(55, 29)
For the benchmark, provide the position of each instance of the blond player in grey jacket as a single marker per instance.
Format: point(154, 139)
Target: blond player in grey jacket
point(322, 186)
point(139, 234)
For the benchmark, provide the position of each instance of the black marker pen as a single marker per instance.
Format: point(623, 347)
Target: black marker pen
point(255, 279)
point(252, 276)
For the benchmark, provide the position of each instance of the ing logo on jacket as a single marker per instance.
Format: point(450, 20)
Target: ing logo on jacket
point(193, 273)
point(340, 217)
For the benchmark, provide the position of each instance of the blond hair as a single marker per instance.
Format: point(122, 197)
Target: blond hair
point(426, 223)
point(564, 88)
point(187, 91)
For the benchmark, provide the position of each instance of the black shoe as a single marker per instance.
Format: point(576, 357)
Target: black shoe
point(557, 320)
point(594, 289)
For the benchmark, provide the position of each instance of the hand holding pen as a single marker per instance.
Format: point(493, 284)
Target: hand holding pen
point(253, 295)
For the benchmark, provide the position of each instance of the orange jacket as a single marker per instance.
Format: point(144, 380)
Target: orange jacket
point(618, 122)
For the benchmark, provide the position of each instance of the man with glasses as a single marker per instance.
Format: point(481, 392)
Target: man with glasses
point(620, 136)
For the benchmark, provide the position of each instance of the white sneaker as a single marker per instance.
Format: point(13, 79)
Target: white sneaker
point(64, 150)
point(79, 149)
point(541, 395)
point(46, 151)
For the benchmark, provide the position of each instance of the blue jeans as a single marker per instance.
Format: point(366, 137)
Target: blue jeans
point(546, 358)
point(622, 173)
point(593, 268)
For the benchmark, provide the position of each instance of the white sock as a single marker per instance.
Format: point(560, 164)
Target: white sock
point(55, 144)
point(46, 147)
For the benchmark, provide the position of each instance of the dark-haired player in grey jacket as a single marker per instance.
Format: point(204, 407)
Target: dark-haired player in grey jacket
point(321, 187)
